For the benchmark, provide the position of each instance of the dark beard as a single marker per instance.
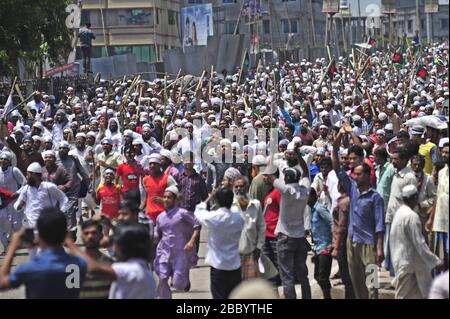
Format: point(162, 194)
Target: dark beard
point(114, 130)
point(291, 163)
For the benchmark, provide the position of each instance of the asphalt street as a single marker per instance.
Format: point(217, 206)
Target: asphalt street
point(200, 284)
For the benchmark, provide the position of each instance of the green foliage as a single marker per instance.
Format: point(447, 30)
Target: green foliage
point(32, 29)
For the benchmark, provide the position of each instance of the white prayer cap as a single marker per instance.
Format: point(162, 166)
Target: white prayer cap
point(409, 190)
point(63, 144)
point(442, 141)
point(166, 153)
point(172, 189)
point(49, 152)
point(6, 155)
point(154, 158)
point(225, 141)
point(291, 147)
point(35, 168)
point(382, 116)
point(80, 135)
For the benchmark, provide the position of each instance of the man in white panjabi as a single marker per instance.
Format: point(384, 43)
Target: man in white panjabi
point(413, 261)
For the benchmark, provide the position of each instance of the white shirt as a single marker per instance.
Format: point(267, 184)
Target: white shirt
point(330, 200)
point(11, 179)
point(294, 199)
point(402, 178)
point(440, 223)
point(409, 251)
point(36, 199)
point(134, 281)
point(254, 233)
point(224, 232)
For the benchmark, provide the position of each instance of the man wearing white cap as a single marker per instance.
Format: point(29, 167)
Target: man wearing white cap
point(153, 186)
point(37, 195)
point(258, 188)
point(108, 158)
point(25, 155)
point(176, 233)
point(166, 163)
point(11, 179)
point(412, 259)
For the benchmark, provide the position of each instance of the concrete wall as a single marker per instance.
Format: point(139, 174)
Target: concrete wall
point(224, 52)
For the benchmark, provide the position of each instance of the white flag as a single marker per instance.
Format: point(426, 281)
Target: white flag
point(8, 106)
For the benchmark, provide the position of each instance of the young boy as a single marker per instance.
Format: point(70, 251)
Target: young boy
point(109, 195)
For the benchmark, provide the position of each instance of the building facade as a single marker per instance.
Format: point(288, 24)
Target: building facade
point(145, 28)
point(278, 24)
point(406, 21)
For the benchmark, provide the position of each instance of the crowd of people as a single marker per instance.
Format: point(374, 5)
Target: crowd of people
point(345, 160)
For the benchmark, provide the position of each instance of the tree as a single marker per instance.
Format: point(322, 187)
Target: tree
point(32, 30)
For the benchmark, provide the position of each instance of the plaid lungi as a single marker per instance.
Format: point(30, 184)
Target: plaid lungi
point(249, 267)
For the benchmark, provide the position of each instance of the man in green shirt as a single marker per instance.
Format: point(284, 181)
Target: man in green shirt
point(385, 172)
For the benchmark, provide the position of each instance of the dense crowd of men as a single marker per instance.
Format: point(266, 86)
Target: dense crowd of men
point(344, 160)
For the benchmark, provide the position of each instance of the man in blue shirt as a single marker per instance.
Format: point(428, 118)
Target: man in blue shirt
point(365, 228)
point(52, 274)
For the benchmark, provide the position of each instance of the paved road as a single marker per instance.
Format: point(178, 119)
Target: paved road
point(200, 280)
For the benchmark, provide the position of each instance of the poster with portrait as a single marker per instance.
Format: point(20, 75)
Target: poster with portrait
point(196, 25)
point(331, 6)
point(431, 6)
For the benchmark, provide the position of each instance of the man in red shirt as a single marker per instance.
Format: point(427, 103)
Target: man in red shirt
point(130, 172)
point(271, 213)
point(109, 195)
point(154, 186)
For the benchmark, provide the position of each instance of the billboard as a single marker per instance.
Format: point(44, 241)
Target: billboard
point(431, 6)
point(388, 7)
point(196, 25)
point(251, 10)
point(330, 6)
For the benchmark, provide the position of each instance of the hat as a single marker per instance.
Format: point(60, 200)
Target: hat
point(417, 130)
point(128, 133)
point(382, 116)
point(63, 144)
point(28, 138)
point(323, 127)
point(35, 168)
point(291, 147)
point(154, 158)
point(166, 153)
point(442, 141)
point(49, 152)
point(107, 141)
point(389, 127)
point(380, 132)
point(259, 160)
point(6, 155)
point(323, 113)
point(80, 135)
point(356, 118)
point(173, 189)
point(232, 173)
point(284, 142)
point(109, 170)
point(409, 190)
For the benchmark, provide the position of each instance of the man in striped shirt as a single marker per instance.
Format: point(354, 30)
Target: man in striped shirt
point(95, 286)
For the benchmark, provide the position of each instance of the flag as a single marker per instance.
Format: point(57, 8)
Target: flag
point(332, 70)
point(244, 67)
point(8, 106)
point(422, 72)
point(397, 58)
